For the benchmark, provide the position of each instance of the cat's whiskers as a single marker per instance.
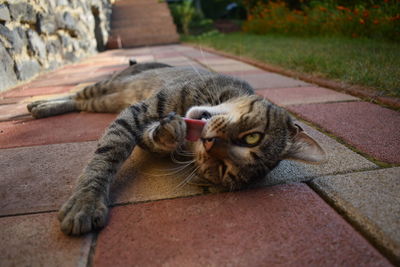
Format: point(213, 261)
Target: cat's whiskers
point(178, 161)
point(187, 179)
point(168, 171)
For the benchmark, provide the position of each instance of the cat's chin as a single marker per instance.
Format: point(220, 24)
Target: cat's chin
point(216, 173)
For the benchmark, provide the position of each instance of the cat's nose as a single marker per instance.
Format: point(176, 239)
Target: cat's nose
point(208, 143)
point(216, 147)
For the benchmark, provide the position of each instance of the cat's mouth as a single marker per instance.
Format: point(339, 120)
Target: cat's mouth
point(200, 115)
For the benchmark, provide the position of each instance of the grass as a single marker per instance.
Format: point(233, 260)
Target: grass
point(366, 62)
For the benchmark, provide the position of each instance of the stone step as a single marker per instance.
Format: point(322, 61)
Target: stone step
point(141, 22)
point(164, 29)
point(157, 21)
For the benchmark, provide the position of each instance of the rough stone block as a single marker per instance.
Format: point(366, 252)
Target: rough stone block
point(4, 13)
point(35, 240)
point(23, 12)
point(37, 45)
point(53, 46)
point(371, 200)
point(27, 68)
point(47, 23)
point(7, 75)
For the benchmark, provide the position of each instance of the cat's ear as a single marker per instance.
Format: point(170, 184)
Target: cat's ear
point(305, 148)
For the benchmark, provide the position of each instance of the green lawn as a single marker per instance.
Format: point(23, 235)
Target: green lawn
point(365, 62)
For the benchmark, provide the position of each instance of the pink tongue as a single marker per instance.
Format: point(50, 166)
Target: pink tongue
point(194, 128)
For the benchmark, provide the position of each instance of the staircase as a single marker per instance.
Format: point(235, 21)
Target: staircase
point(141, 22)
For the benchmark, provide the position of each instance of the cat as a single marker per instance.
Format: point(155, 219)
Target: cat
point(244, 138)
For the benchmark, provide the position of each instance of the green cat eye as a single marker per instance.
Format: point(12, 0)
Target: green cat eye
point(252, 139)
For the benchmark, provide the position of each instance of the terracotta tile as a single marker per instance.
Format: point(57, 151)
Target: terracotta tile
point(73, 127)
point(371, 200)
point(201, 55)
point(233, 68)
point(271, 80)
point(8, 112)
point(40, 178)
point(283, 225)
point(241, 73)
point(167, 54)
point(145, 58)
point(45, 97)
point(35, 240)
point(218, 60)
point(32, 90)
point(340, 159)
point(146, 176)
point(304, 95)
point(370, 128)
point(111, 69)
point(11, 100)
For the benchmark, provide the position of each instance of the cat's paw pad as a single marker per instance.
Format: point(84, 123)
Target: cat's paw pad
point(171, 132)
point(82, 214)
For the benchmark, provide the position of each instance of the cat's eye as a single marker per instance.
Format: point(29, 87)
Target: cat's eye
point(252, 139)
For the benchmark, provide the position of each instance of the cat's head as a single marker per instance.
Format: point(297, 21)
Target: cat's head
point(245, 138)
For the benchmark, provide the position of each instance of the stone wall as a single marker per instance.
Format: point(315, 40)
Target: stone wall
point(39, 35)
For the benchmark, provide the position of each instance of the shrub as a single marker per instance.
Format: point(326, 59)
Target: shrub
point(326, 18)
point(183, 14)
point(189, 20)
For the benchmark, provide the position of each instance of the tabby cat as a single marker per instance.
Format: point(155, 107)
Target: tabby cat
point(244, 138)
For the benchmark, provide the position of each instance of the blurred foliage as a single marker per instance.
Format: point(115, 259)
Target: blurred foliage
point(188, 19)
point(372, 19)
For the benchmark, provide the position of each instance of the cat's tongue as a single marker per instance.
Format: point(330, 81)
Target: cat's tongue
point(194, 128)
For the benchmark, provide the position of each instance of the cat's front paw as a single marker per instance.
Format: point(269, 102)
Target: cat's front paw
point(83, 213)
point(170, 133)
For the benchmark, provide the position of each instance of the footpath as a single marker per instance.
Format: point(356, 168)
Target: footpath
point(345, 212)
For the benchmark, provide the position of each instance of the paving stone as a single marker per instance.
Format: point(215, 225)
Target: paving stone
point(227, 65)
point(268, 80)
point(146, 176)
point(233, 68)
point(304, 95)
point(73, 127)
point(200, 55)
point(371, 200)
point(31, 90)
point(40, 178)
point(11, 100)
point(35, 240)
point(340, 160)
point(368, 127)
point(283, 225)
point(8, 112)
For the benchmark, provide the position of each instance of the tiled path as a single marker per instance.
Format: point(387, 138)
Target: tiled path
point(345, 212)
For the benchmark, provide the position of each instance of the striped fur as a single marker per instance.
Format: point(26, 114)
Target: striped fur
point(153, 98)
